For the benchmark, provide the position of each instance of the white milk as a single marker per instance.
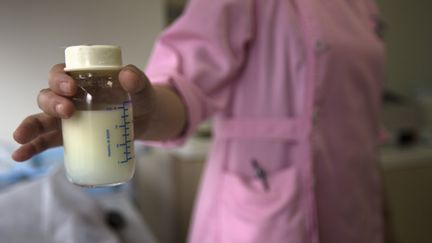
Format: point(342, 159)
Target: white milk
point(99, 147)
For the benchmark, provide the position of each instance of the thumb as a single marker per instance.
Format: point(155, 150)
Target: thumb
point(132, 79)
point(136, 83)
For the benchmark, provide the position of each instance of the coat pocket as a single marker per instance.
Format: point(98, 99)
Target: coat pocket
point(253, 212)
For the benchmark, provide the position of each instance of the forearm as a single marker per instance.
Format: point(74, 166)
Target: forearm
point(168, 118)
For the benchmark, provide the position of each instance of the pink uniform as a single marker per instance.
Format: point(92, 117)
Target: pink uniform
point(293, 87)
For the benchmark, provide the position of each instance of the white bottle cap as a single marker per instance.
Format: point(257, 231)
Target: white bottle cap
point(93, 57)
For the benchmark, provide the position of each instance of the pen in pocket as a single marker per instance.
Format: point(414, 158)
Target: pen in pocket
point(260, 174)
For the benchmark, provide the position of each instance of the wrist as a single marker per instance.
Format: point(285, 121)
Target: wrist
point(167, 119)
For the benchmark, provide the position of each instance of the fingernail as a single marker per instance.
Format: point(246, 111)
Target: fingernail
point(59, 108)
point(65, 87)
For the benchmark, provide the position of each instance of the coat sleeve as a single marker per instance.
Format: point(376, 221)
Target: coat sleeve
point(202, 54)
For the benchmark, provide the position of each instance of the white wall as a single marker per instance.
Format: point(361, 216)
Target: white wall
point(33, 35)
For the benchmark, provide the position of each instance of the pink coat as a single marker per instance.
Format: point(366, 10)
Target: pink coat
point(293, 87)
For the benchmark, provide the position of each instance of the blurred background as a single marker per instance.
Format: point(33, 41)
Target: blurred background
point(157, 203)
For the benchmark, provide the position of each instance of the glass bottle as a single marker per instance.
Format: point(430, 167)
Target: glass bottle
point(98, 138)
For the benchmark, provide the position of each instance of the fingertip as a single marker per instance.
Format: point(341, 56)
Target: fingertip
point(131, 79)
point(68, 109)
point(66, 86)
point(63, 84)
point(60, 82)
point(15, 156)
point(132, 68)
point(23, 133)
point(19, 155)
point(64, 110)
point(17, 136)
point(61, 110)
point(59, 67)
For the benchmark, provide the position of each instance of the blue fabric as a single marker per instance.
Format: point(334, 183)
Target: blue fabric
point(12, 172)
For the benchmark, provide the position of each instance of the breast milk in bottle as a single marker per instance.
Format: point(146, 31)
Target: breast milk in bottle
point(98, 138)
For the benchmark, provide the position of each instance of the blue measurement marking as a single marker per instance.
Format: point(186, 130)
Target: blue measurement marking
point(127, 159)
point(108, 142)
point(125, 126)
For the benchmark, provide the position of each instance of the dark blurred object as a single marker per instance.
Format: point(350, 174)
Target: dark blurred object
point(380, 26)
point(174, 12)
point(403, 117)
point(393, 98)
point(407, 138)
point(174, 9)
point(115, 220)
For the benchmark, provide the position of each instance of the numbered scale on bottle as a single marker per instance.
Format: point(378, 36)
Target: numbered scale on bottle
point(125, 127)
